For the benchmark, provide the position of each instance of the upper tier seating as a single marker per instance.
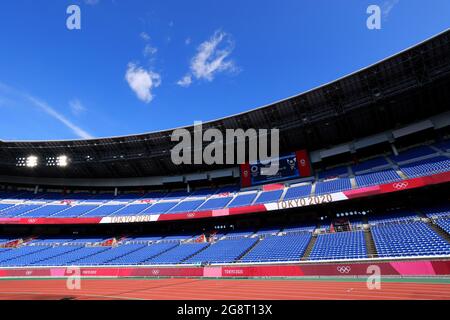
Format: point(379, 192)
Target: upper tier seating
point(4, 206)
point(333, 172)
point(74, 211)
point(269, 196)
point(103, 211)
point(415, 162)
point(371, 164)
point(426, 167)
point(331, 186)
point(295, 192)
point(413, 153)
point(132, 209)
point(18, 210)
point(375, 178)
point(341, 245)
point(44, 211)
point(443, 145)
point(160, 207)
point(215, 203)
point(244, 199)
point(186, 206)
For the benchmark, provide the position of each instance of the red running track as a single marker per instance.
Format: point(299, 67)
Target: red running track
point(203, 289)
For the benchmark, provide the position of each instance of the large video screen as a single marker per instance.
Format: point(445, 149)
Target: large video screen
point(292, 165)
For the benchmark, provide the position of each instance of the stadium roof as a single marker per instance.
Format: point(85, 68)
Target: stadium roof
point(409, 86)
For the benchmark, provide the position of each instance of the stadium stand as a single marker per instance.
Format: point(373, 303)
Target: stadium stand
point(279, 248)
point(375, 178)
point(415, 162)
point(426, 167)
point(408, 239)
point(178, 254)
point(343, 245)
point(370, 165)
point(333, 173)
point(331, 186)
point(224, 251)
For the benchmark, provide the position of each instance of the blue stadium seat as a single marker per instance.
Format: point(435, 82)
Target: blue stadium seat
point(215, 203)
point(331, 186)
point(178, 254)
point(296, 192)
point(160, 207)
point(279, 248)
point(241, 200)
point(333, 172)
point(376, 178)
point(103, 211)
point(269, 196)
point(413, 153)
point(370, 164)
point(224, 251)
point(408, 239)
point(186, 206)
point(426, 167)
point(444, 223)
point(341, 245)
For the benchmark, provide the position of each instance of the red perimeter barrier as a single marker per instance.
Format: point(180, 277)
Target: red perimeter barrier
point(393, 268)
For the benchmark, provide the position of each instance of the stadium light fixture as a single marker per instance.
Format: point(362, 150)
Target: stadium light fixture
point(31, 161)
point(21, 162)
point(62, 161)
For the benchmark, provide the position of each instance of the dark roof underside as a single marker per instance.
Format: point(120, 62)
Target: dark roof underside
point(409, 86)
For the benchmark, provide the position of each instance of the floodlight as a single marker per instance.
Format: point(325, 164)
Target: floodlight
point(21, 162)
point(32, 161)
point(62, 161)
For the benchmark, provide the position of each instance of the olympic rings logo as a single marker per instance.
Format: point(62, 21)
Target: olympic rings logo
point(344, 269)
point(400, 185)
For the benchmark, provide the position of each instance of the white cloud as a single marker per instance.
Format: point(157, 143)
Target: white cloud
point(186, 81)
point(91, 2)
point(77, 107)
point(56, 115)
point(17, 95)
point(211, 59)
point(388, 6)
point(142, 81)
point(144, 36)
point(149, 50)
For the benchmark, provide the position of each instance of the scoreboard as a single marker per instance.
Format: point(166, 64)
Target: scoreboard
point(292, 165)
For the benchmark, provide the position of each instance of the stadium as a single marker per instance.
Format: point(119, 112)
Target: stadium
point(362, 191)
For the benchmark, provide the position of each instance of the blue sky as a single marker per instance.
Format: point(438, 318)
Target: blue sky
point(138, 66)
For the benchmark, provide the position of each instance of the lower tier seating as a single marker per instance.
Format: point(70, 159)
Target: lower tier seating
point(279, 248)
point(408, 239)
point(342, 245)
point(396, 234)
